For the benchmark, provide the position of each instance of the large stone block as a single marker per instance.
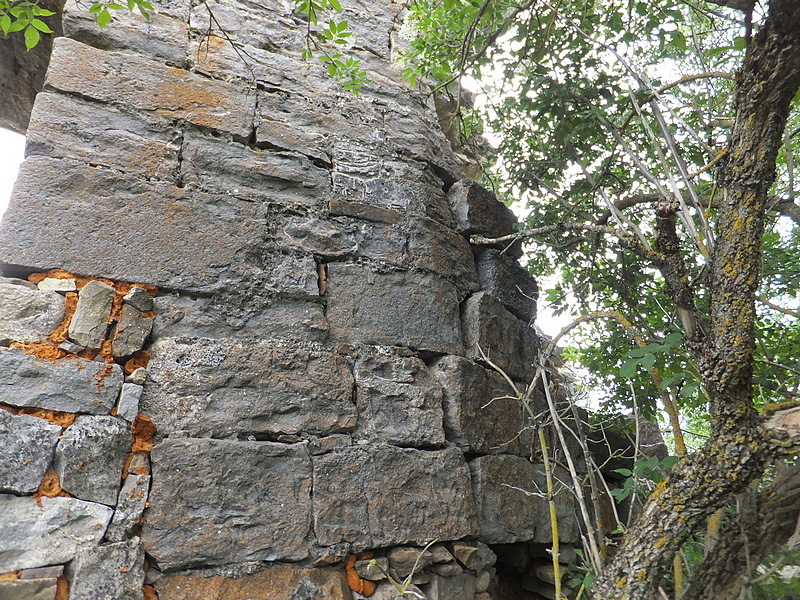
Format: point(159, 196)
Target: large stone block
point(68, 127)
point(142, 84)
point(508, 342)
point(477, 210)
point(382, 496)
point(269, 176)
point(511, 494)
point(261, 317)
point(110, 572)
point(124, 228)
point(481, 411)
point(216, 502)
point(68, 385)
point(275, 582)
point(163, 36)
point(216, 388)
point(26, 312)
point(416, 310)
point(506, 280)
point(26, 448)
point(399, 402)
point(47, 531)
point(90, 456)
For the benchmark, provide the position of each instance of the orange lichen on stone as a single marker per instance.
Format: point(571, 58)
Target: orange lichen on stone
point(365, 587)
point(143, 431)
point(42, 350)
point(62, 331)
point(149, 593)
point(53, 274)
point(62, 588)
point(56, 417)
point(12, 576)
point(138, 360)
point(50, 487)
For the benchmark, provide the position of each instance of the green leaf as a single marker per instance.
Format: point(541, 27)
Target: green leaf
point(31, 37)
point(335, 5)
point(5, 23)
point(103, 18)
point(41, 26)
point(624, 472)
point(18, 25)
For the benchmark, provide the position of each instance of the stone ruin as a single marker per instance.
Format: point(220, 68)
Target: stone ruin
point(241, 327)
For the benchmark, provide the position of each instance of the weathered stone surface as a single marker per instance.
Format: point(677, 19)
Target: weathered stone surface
point(138, 377)
point(162, 36)
point(506, 280)
point(216, 502)
point(102, 134)
point(457, 587)
point(256, 317)
point(131, 332)
point(374, 569)
point(477, 210)
point(90, 457)
point(27, 313)
point(30, 589)
point(130, 506)
point(416, 310)
point(90, 322)
point(71, 385)
point(476, 556)
point(41, 532)
point(52, 572)
point(128, 405)
point(213, 243)
point(146, 85)
point(53, 284)
point(399, 402)
point(481, 411)
point(444, 252)
point(139, 298)
point(381, 496)
point(221, 167)
point(111, 572)
point(406, 559)
point(216, 388)
point(506, 513)
point(26, 448)
point(367, 186)
point(507, 342)
point(277, 582)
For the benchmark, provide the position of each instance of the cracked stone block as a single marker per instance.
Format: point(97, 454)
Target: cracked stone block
point(90, 322)
point(68, 385)
point(26, 448)
point(504, 278)
point(131, 332)
point(379, 496)
point(46, 531)
point(26, 312)
point(477, 210)
point(507, 514)
point(416, 310)
point(217, 388)
point(481, 411)
point(216, 502)
point(399, 402)
point(110, 572)
point(130, 506)
point(90, 456)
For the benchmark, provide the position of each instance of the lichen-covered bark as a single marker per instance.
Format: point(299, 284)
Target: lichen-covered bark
point(739, 449)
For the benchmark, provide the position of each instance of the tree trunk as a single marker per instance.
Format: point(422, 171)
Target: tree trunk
point(739, 449)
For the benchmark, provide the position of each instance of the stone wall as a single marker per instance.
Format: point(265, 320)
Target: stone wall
point(242, 326)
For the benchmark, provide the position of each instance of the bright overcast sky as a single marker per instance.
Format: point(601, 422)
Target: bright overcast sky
point(12, 145)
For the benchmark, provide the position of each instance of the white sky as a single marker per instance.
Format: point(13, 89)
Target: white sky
point(12, 146)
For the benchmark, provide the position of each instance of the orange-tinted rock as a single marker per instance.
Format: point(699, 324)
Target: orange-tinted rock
point(275, 583)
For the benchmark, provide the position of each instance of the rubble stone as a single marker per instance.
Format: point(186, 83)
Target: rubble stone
point(26, 448)
point(73, 385)
point(111, 572)
point(130, 506)
point(27, 313)
point(131, 332)
point(128, 405)
point(90, 321)
point(90, 457)
point(44, 531)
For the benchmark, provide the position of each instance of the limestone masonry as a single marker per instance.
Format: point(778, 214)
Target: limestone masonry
point(241, 328)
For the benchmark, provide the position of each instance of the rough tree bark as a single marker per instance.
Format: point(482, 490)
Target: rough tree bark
point(740, 447)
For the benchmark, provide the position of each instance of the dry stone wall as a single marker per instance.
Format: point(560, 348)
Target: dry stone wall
point(241, 328)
